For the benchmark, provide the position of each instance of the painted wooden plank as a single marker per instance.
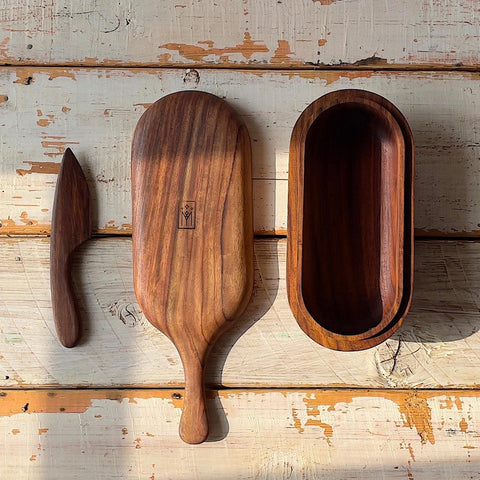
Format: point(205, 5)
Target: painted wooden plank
point(438, 345)
point(261, 434)
point(95, 112)
point(301, 33)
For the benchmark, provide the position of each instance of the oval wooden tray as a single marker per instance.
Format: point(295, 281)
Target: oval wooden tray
point(350, 220)
point(192, 230)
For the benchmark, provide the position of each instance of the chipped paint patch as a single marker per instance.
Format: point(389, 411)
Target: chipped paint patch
point(27, 221)
point(40, 167)
point(412, 405)
point(463, 425)
point(24, 76)
point(61, 72)
point(312, 412)
point(15, 431)
point(276, 232)
point(41, 431)
point(324, 2)
point(144, 105)
point(45, 122)
point(176, 399)
point(56, 144)
point(69, 401)
point(4, 47)
point(448, 403)
point(164, 58)
point(112, 229)
point(334, 76)
point(198, 53)
point(408, 446)
point(282, 53)
point(296, 421)
point(418, 415)
point(314, 400)
point(410, 449)
point(9, 227)
point(329, 77)
point(327, 429)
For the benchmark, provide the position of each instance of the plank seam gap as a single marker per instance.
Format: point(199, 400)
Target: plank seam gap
point(475, 388)
point(420, 238)
point(247, 68)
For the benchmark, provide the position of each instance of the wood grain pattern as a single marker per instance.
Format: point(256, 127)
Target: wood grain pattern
point(95, 111)
point(193, 270)
point(301, 433)
point(350, 218)
point(71, 226)
point(261, 434)
point(306, 33)
point(438, 344)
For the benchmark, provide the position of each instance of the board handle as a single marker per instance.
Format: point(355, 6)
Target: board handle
point(194, 422)
point(65, 312)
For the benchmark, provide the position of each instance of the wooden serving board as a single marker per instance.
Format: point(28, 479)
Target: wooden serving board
point(192, 230)
point(350, 224)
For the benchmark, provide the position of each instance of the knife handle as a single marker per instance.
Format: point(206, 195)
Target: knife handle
point(65, 313)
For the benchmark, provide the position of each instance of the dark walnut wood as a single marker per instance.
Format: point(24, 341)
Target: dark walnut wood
point(192, 230)
point(350, 220)
point(71, 226)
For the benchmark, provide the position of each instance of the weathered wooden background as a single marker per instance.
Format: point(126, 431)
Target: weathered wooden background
point(80, 74)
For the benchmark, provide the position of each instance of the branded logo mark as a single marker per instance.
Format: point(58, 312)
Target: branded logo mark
point(187, 215)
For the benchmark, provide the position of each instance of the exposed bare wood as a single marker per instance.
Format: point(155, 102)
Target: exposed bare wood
point(258, 434)
point(438, 344)
point(95, 111)
point(276, 34)
point(78, 80)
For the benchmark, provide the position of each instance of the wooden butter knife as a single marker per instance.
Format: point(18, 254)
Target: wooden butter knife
point(71, 226)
